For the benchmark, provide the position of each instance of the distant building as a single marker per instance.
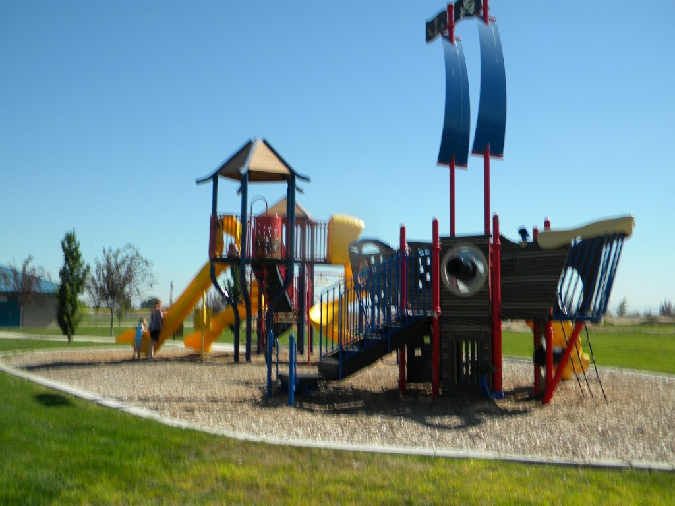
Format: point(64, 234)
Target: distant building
point(40, 312)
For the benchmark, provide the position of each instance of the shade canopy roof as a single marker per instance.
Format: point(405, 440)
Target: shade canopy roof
point(259, 159)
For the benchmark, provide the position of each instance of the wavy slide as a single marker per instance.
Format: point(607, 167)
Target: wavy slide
point(177, 313)
point(220, 322)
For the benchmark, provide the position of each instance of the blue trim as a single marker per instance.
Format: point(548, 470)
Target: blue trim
point(45, 286)
point(292, 369)
point(486, 390)
point(491, 122)
point(457, 122)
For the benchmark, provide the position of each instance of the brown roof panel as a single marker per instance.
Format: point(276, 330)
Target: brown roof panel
point(260, 160)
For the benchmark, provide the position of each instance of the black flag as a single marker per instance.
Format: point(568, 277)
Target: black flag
point(467, 8)
point(437, 26)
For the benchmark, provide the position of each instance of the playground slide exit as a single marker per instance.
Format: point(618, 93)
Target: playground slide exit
point(219, 323)
point(177, 313)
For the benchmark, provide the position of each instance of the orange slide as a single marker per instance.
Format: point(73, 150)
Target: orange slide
point(179, 310)
point(220, 322)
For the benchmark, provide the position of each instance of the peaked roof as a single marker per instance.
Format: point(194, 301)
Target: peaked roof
point(280, 209)
point(45, 286)
point(260, 160)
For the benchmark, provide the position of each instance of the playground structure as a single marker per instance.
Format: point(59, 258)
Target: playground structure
point(260, 250)
point(439, 304)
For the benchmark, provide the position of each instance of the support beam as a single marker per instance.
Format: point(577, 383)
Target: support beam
point(496, 308)
point(403, 256)
point(436, 308)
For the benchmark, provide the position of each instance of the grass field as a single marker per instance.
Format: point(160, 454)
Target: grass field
point(644, 349)
point(61, 450)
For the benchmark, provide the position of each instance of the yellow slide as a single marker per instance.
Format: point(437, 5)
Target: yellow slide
point(342, 231)
point(220, 322)
point(321, 318)
point(179, 310)
point(578, 360)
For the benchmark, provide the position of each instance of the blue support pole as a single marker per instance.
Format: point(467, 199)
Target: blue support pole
point(270, 344)
point(292, 365)
point(242, 272)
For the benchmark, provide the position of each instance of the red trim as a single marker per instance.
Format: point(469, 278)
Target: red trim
point(486, 11)
point(451, 23)
point(486, 189)
point(403, 250)
point(496, 307)
point(549, 353)
point(212, 236)
point(563, 360)
point(436, 306)
point(452, 196)
point(537, 369)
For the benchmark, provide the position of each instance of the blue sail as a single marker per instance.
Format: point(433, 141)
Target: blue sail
point(491, 122)
point(457, 122)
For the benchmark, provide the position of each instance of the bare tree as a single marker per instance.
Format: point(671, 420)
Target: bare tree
point(666, 308)
point(25, 283)
point(94, 298)
point(215, 301)
point(120, 275)
point(622, 308)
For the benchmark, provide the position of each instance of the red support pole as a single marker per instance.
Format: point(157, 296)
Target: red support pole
point(486, 12)
point(496, 308)
point(451, 23)
point(403, 255)
point(436, 308)
point(213, 230)
point(563, 360)
point(549, 353)
point(486, 189)
point(452, 196)
point(537, 369)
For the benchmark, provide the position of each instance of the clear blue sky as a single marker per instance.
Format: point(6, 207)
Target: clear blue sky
point(111, 110)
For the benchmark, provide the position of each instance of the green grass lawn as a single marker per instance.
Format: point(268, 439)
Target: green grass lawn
point(13, 345)
point(57, 449)
point(642, 349)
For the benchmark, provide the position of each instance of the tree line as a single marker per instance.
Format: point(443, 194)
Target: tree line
point(114, 279)
point(118, 276)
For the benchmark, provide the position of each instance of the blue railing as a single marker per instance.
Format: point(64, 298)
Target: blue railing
point(586, 281)
point(359, 312)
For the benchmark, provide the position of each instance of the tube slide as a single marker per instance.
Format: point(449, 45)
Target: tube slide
point(180, 309)
point(219, 323)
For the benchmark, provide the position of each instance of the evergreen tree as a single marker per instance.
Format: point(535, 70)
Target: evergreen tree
point(73, 276)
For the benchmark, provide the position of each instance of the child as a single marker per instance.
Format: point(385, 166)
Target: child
point(138, 341)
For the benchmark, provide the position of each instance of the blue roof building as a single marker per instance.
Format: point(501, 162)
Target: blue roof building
point(40, 312)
